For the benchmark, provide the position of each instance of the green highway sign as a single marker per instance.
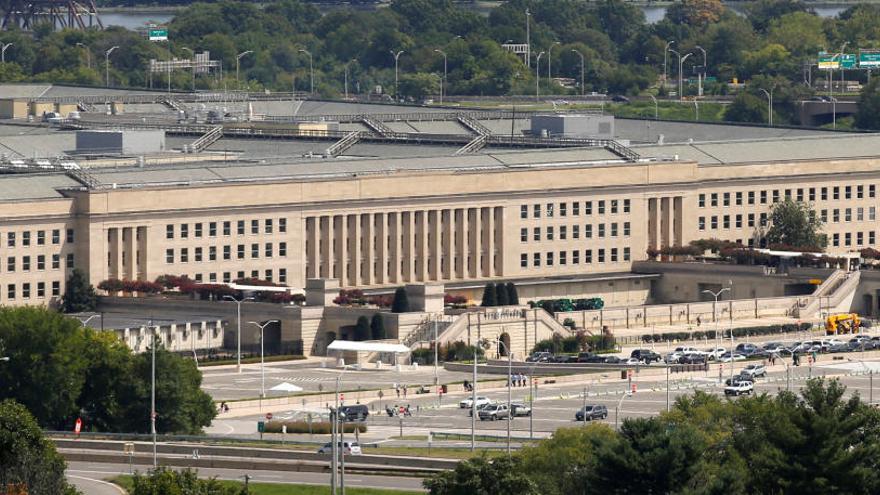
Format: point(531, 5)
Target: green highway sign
point(869, 60)
point(848, 60)
point(828, 61)
point(158, 34)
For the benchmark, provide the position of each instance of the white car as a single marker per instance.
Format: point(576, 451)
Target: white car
point(468, 403)
point(351, 448)
point(739, 388)
point(632, 362)
point(754, 370)
point(726, 357)
point(715, 353)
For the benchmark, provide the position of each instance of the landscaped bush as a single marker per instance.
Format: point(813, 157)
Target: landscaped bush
point(458, 351)
point(141, 286)
point(317, 427)
point(554, 306)
point(737, 333)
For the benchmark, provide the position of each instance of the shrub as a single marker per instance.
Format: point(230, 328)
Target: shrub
point(111, 285)
point(568, 323)
point(317, 427)
point(401, 301)
point(737, 332)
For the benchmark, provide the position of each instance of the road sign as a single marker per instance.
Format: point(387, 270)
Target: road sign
point(268, 416)
point(78, 426)
point(261, 426)
point(633, 388)
point(828, 61)
point(848, 61)
point(869, 59)
point(158, 34)
point(629, 373)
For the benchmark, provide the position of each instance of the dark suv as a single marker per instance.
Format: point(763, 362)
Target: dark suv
point(358, 412)
point(646, 356)
point(596, 411)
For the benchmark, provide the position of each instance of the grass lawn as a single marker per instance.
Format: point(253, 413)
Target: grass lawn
point(285, 489)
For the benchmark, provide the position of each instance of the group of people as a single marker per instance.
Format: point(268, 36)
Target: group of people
point(396, 410)
point(518, 380)
point(398, 388)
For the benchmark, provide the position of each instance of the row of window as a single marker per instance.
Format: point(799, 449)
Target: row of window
point(763, 217)
point(800, 194)
point(550, 232)
point(37, 262)
point(848, 239)
point(12, 291)
point(183, 230)
point(200, 254)
point(548, 210)
point(563, 257)
point(39, 238)
point(227, 276)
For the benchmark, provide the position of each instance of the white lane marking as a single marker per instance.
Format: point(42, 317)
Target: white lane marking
point(101, 482)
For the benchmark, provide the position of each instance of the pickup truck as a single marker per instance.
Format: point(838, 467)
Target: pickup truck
point(739, 388)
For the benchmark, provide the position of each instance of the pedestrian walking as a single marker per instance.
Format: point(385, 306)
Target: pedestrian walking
point(397, 390)
point(404, 391)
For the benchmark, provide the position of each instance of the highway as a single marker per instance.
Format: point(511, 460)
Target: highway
point(88, 476)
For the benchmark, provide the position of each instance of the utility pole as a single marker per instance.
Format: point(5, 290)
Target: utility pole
point(665, 64)
point(396, 80)
point(107, 64)
point(703, 72)
point(528, 40)
point(581, 55)
point(538, 76)
point(311, 71)
point(238, 319)
point(442, 81)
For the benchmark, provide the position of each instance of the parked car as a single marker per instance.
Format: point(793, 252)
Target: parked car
point(646, 356)
point(746, 349)
point(357, 412)
point(739, 378)
point(619, 99)
point(468, 403)
point(351, 448)
point(493, 412)
point(585, 356)
point(520, 409)
point(714, 353)
point(773, 347)
point(540, 357)
point(589, 413)
point(480, 407)
point(611, 360)
point(593, 359)
point(727, 357)
point(693, 359)
point(739, 388)
point(564, 358)
point(848, 347)
point(754, 370)
point(632, 362)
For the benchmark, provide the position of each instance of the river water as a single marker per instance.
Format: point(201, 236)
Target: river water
point(139, 19)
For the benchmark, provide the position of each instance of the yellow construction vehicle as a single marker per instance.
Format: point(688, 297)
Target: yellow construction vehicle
point(842, 323)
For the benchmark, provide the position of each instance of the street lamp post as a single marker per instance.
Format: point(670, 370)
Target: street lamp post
point(769, 96)
point(550, 64)
point(88, 54)
point(396, 81)
point(581, 55)
point(346, 76)
point(262, 356)
point(85, 321)
point(509, 384)
point(107, 64)
point(538, 75)
point(656, 109)
point(665, 63)
point(311, 70)
point(193, 53)
point(238, 319)
point(443, 81)
point(701, 73)
point(528, 40)
point(3, 51)
point(617, 409)
point(680, 74)
point(238, 65)
point(153, 394)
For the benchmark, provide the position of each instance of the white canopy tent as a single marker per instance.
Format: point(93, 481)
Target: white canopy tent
point(340, 346)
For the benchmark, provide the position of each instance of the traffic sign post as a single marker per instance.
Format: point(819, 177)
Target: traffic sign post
point(158, 34)
point(633, 388)
point(128, 449)
point(869, 59)
point(268, 416)
point(261, 427)
point(77, 427)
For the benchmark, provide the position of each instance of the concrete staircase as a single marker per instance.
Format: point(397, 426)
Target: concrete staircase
point(834, 295)
point(473, 125)
point(344, 144)
point(376, 126)
point(206, 139)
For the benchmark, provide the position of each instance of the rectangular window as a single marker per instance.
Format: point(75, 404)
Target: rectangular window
point(255, 226)
point(199, 277)
point(169, 256)
point(872, 191)
point(860, 192)
point(751, 197)
point(601, 230)
point(739, 221)
point(267, 250)
point(872, 213)
point(241, 251)
point(10, 291)
point(626, 228)
point(726, 221)
point(524, 211)
point(871, 237)
point(613, 229)
point(56, 261)
point(835, 240)
point(240, 227)
point(26, 263)
point(847, 192)
point(198, 229)
point(614, 255)
point(255, 250)
point(835, 193)
point(575, 257)
point(860, 238)
point(56, 236)
point(282, 225)
point(626, 206)
point(268, 226)
point(824, 216)
point(563, 209)
point(714, 224)
point(212, 229)
point(169, 231)
point(563, 232)
point(776, 195)
point(536, 233)
point(626, 254)
point(10, 239)
point(563, 257)
point(763, 219)
point(788, 194)
point(588, 256)
point(588, 208)
point(26, 290)
point(848, 214)
point(800, 194)
point(184, 230)
point(860, 214)
point(714, 200)
point(197, 255)
point(212, 253)
point(26, 238)
point(601, 207)
point(282, 249)
point(268, 275)
point(739, 198)
point(523, 235)
point(576, 208)
point(549, 210)
point(69, 262)
point(812, 194)
point(10, 264)
point(726, 199)
point(613, 206)
point(751, 220)
point(282, 275)
point(549, 258)
point(550, 233)
point(835, 217)
point(588, 231)
point(601, 256)
point(701, 223)
point(824, 192)
point(41, 262)
point(536, 259)
point(847, 239)
point(763, 197)
point(41, 238)
point(212, 277)
point(184, 255)
point(41, 289)
point(227, 253)
point(536, 211)
point(523, 260)
point(575, 231)
point(56, 288)
point(227, 228)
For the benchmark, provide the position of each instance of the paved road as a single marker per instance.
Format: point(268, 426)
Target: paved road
point(90, 483)
point(87, 472)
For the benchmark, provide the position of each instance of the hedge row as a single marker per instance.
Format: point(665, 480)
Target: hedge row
point(320, 428)
point(737, 332)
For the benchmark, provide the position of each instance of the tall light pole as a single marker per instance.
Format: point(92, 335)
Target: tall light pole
point(85, 321)
point(581, 55)
point(443, 81)
point(715, 296)
point(263, 355)
point(238, 65)
point(88, 54)
point(680, 65)
point(153, 393)
point(538, 76)
point(238, 318)
point(107, 64)
point(193, 54)
point(346, 76)
point(550, 63)
point(528, 40)
point(665, 54)
point(311, 70)
point(396, 59)
point(703, 72)
point(509, 383)
point(769, 95)
point(656, 109)
point(3, 51)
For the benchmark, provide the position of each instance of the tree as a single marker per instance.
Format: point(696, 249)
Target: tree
point(479, 475)
point(377, 327)
point(26, 456)
point(401, 301)
point(501, 294)
point(362, 328)
point(746, 107)
point(169, 481)
point(868, 114)
point(490, 298)
point(79, 295)
point(795, 223)
point(512, 295)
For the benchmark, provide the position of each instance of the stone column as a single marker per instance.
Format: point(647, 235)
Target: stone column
point(354, 250)
point(114, 245)
point(325, 245)
point(368, 260)
point(381, 248)
point(678, 221)
point(460, 242)
point(434, 245)
point(312, 248)
point(488, 240)
point(447, 250)
point(475, 246)
point(665, 222)
point(340, 237)
point(394, 247)
point(140, 254)
point(129, 249)
point(408, 251)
